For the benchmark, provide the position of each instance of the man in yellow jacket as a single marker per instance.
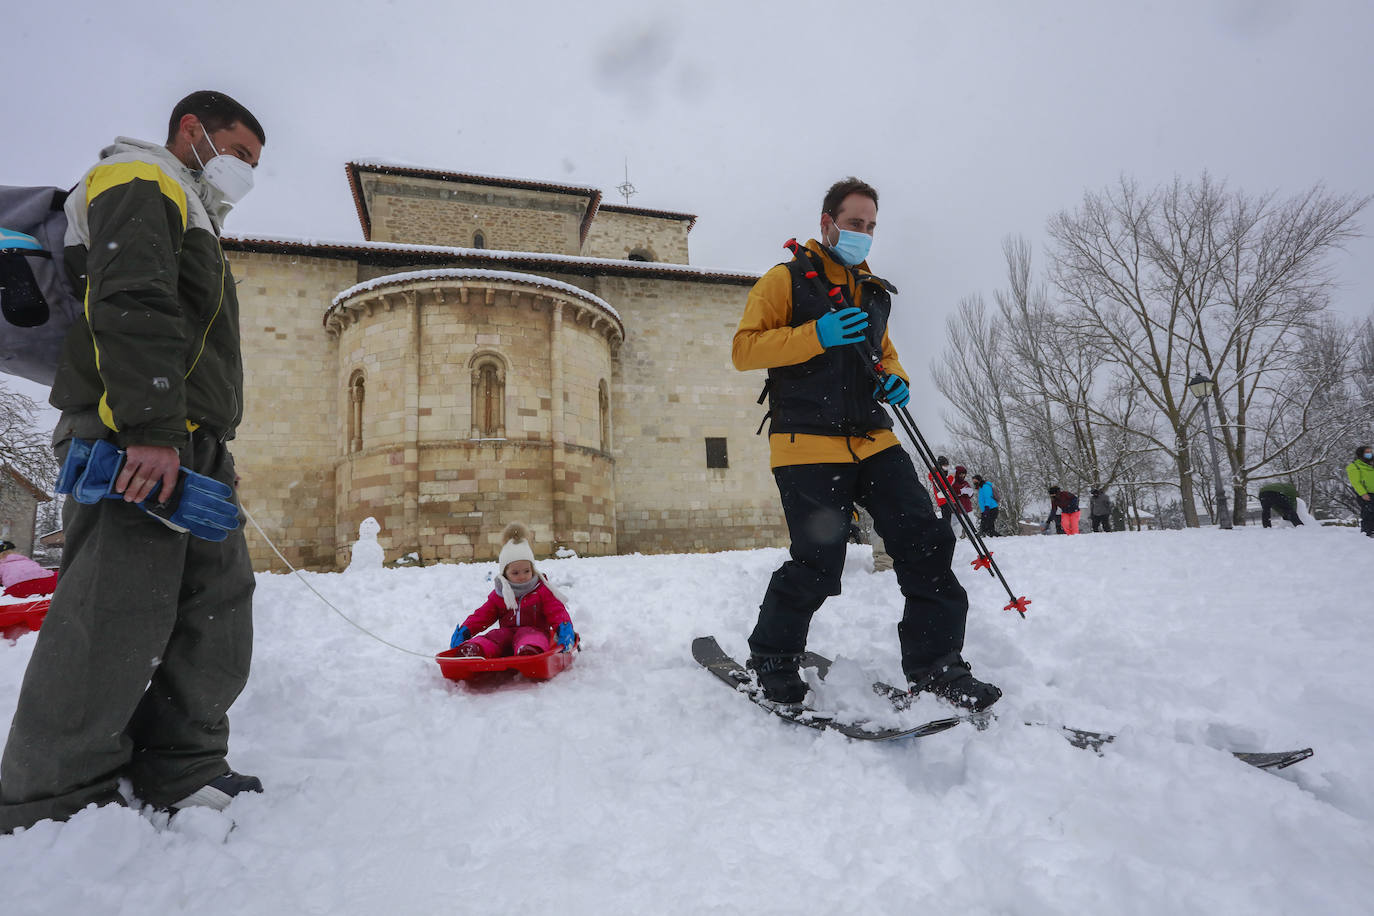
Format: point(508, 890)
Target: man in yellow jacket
point(1361, 474)
point(814, 323)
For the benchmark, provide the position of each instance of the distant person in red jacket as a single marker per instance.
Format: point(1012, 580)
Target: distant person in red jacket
point(531, 614)
point(963, 490)
point(21, 577)
point(942, 468)
point(1064, 505)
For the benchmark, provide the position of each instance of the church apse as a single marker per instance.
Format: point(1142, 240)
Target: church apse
point(485, 404)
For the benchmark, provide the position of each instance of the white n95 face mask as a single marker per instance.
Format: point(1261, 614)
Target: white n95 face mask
point(230, 175)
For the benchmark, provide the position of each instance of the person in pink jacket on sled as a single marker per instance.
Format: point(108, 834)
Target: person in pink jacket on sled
point(21, 577)
point(523, 602)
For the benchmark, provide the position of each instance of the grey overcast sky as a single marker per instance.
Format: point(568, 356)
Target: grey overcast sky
point(974, 120)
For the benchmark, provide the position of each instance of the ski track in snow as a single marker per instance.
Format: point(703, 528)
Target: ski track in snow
point(635, 783)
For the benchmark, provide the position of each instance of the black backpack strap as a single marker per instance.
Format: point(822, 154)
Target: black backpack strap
point(813, 273)
point(763, 395)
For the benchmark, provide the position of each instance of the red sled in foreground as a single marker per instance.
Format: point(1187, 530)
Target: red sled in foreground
point(536, 667)
point(19, 617)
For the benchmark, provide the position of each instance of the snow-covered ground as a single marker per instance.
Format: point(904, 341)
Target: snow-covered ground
point(636, 783)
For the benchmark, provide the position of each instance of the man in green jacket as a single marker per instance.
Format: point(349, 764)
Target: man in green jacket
point(1361, 474)
point(1282, 496)
point(148, 640)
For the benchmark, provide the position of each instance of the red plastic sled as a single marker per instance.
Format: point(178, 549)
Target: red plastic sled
point(536, 667)
point(18, 618)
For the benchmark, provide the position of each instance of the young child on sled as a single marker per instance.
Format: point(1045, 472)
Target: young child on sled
point(523, 602)
point(21, 577)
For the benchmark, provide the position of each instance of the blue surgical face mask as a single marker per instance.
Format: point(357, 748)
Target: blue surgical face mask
point(851, 247)
point(1368, 455)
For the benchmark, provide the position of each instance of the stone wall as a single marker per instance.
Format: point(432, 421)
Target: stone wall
point(674, 387)
point(290, 437)
point(434, 487)
point(619, 235)
point(18, 509)
point(420, 211)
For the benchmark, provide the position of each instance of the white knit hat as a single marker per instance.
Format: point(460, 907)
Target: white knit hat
point(515, 546)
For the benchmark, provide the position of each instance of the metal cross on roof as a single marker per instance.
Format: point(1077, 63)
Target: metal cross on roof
point(626, 189)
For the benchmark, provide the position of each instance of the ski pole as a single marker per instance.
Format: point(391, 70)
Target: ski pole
point(984, 559)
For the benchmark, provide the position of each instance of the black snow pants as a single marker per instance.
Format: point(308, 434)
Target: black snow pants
point(145, 647)
point(1269, 501)
point(987, 524)
point(817, 500)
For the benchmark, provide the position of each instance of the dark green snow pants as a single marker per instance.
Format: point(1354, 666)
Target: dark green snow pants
point(145, 647)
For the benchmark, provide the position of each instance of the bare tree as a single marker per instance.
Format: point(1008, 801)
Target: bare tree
point(973, 375)
point(23, 446)
point(1364, 361)
point(1027, 393)
point(1149, 288)
point(1189, 278)
point(1120, 302)
point(1268, 296)
point(1315, 413)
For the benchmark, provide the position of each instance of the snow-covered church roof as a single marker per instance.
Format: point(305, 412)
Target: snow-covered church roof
point(458, 273)
point(397, 252)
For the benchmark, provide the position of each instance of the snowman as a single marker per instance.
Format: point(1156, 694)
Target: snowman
point(367, 553)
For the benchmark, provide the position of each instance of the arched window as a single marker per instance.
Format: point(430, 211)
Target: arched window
point(641, 254)
point(479, 240)
point(603, 414)
point(488, 396)
point(357, 392)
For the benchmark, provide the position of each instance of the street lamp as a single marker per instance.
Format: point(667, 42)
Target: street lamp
point(1201, 387)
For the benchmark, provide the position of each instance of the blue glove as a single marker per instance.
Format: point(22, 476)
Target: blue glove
point(78, 454)
point(198, 505)
point(893, 390)
point(96, 480)
point(565, 636)
point(843, 327)
point(460, 636)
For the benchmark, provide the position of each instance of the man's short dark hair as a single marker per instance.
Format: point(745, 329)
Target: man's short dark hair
point(216, 111)
point(842, 189)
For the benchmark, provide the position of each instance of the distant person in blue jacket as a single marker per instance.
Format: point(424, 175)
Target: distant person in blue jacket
point(988, 507)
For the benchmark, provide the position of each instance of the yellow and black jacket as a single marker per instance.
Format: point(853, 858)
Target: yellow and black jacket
point(156, 353)
point(821, 400)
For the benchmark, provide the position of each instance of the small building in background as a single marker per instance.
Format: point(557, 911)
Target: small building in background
point(19, 499)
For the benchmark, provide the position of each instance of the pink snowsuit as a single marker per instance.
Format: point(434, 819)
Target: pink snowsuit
point(529, 623)
point(15, 568)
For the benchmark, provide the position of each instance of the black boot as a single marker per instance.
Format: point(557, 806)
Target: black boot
point(779, 677)
point(220, 791)
point(952, 678)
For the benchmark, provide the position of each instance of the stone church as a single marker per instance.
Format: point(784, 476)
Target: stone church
point(496, 350)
